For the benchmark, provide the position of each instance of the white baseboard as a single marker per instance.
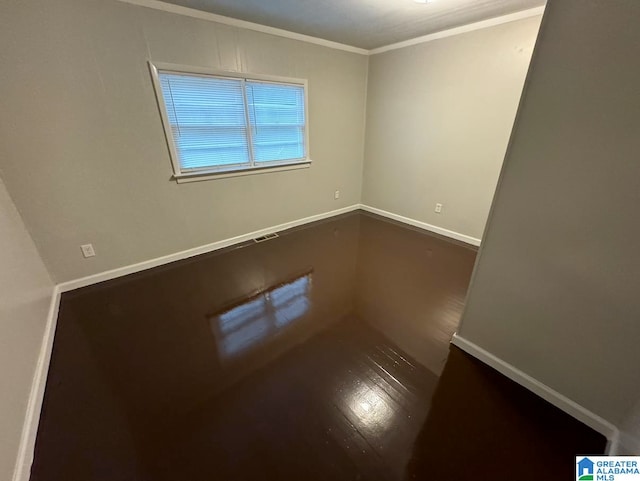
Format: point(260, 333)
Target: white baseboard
point(22, 471)
point(177, 256)
point(570, 407)
point(423, 225)
point(159, 261)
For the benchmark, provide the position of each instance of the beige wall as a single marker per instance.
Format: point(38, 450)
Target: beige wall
point(82, 148)
point(25, 295)
point(555, 291)
point(439, 116)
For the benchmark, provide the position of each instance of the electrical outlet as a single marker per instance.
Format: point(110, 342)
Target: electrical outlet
point(438, 208)
point(87, 250)
point(336, 195)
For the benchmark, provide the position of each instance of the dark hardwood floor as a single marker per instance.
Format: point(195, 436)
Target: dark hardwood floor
point(321, 355)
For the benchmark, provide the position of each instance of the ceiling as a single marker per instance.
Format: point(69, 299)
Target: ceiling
point(366, 24)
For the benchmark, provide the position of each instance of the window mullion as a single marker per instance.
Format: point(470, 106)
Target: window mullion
point(252, 161)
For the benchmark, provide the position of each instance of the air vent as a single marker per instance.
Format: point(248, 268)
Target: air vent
point(265, 238)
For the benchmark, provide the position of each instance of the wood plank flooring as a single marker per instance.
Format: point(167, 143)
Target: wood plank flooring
point(320, 355)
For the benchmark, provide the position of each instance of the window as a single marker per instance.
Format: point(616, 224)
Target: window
point(222, 123)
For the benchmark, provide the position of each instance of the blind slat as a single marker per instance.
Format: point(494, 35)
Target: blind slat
point(277, 116)
point(208, 119)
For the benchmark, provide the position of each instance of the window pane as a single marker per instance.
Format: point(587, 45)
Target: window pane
point(207, 120)
point(243, 314)
point(277, 120)
point(290, 301)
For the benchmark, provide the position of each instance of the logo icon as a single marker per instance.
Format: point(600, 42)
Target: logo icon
point(584, 471)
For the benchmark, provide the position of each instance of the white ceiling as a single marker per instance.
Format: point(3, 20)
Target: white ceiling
point(366, 24)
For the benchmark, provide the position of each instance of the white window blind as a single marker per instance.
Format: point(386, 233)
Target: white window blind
point(208, 120)
point(220, 124)
point(277, 120)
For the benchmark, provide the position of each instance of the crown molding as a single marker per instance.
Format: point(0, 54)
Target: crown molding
point(491, 22)
point(234, 22)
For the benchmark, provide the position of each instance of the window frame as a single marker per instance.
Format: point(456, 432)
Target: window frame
point(220, 172)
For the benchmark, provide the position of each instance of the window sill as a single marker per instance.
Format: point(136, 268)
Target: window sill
point(224, 174)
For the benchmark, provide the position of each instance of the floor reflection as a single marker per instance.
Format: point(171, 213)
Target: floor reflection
point(341, 405)
point(369, 406)
point(311, 356)
point(261, 317)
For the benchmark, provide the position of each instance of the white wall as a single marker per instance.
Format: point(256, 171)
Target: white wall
point(555, 290)
point(439, 116)
point(25, 296)
point(82, 148)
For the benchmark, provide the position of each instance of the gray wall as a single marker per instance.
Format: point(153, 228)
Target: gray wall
point(629, 442)
point(439, 116)
point(555, 291)
point(25, 295)
point(82, 149)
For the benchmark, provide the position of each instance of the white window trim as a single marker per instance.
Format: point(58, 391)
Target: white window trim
point(228, 171)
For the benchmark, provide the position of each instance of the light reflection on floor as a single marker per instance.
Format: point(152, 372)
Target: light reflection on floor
point(370, 408)
point(252, 322)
